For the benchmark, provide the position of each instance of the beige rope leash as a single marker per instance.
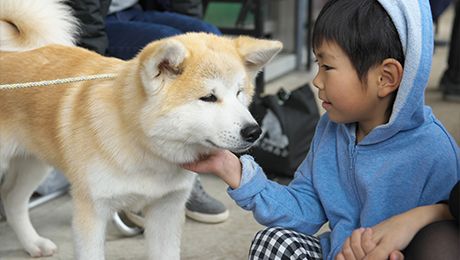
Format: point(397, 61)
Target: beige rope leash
point(57, 81)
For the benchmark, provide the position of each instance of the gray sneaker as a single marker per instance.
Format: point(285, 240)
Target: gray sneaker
point(200, 207)
point(204, 208)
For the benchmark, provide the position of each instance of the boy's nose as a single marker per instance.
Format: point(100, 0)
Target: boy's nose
point(317, 82)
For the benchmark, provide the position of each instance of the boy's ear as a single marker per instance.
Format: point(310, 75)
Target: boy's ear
point(390, 74)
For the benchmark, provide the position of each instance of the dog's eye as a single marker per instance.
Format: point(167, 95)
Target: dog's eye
point(239, 92)
point(209, 98)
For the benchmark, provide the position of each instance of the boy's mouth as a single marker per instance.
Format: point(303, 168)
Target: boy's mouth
point(326, 104)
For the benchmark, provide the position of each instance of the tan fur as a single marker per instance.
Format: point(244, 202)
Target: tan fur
point(120, 141)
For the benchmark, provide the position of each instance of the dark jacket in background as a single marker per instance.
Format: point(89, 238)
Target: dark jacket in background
point(193, 8)
point(92, 14)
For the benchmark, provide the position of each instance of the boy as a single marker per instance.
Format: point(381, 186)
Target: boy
point(377, 152)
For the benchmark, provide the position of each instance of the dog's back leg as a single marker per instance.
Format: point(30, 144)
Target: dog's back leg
point(24, 175)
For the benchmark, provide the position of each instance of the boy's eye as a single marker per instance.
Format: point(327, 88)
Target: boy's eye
point(326, 67)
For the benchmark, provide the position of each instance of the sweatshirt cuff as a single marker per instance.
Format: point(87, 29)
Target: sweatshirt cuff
point(253, 180)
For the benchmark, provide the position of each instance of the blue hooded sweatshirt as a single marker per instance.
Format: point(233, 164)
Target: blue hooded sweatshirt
point(411, 161)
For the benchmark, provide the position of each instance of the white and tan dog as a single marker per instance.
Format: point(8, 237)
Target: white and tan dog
point(119, 141)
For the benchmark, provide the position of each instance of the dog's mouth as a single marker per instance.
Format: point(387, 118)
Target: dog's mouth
point(239, 149)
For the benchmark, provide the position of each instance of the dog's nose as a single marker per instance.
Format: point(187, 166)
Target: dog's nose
point(250, 133)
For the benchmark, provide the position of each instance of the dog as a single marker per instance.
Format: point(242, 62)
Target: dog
point(120, 141)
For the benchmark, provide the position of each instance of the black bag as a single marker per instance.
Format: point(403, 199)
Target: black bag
point(288, 121)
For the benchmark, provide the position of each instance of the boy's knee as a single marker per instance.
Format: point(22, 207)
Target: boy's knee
point(276, 241)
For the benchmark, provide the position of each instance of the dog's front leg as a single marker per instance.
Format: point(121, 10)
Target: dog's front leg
point(89, 227)
point(163, 226)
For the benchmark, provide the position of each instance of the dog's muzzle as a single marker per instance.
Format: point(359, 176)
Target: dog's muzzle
point(251, 132)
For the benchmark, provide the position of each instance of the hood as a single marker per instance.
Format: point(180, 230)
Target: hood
point(414, 24)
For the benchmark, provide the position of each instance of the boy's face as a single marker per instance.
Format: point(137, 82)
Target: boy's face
point(344, 96)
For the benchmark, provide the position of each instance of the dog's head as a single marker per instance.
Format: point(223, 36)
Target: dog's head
point(198, 88)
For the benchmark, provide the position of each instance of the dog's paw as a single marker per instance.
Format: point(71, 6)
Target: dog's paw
point(41, 247)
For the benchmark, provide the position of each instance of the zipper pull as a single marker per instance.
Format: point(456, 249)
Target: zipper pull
point(352, 157)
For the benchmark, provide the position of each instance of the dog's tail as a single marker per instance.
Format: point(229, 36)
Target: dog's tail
point(31, 24)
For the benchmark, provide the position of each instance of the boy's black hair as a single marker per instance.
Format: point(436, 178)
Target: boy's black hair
point(364, 31)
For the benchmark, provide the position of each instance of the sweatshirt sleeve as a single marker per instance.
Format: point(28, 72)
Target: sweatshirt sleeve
point(295, 206)
point(442, 165)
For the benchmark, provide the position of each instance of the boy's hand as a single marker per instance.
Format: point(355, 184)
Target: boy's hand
point(388, 238)
point(381, 242)
point(208, 164)
point(357, 246)
point(395, 233)
point(222, 163)
point(360, 245)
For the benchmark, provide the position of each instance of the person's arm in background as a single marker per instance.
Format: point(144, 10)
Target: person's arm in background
point(92, 14)
point(387, 239)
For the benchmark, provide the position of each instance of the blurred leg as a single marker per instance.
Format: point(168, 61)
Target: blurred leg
point(126, 39)
point(439, 240)
point(181, 22)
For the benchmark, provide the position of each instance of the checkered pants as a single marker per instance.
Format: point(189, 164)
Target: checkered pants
point(276, 243)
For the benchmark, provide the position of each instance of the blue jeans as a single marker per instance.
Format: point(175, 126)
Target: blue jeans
point(131, 30)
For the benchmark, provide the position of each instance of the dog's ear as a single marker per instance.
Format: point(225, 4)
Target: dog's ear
point(161, 62)
point(256, 53)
